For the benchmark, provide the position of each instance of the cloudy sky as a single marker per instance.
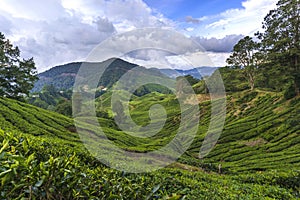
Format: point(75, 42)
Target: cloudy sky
point(60, 31)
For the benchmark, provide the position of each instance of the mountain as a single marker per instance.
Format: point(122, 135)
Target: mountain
point(62, 77)
point(198, 72)
point(53, 90)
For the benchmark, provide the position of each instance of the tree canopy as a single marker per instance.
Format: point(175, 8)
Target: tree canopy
point(272, 59)
point(280, 39)
point(246, 57)
point(17, 75)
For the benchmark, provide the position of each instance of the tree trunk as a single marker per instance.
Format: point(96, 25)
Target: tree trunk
point(251, 81)
point(297, 90)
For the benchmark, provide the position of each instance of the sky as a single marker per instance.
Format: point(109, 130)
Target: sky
point(56, 32)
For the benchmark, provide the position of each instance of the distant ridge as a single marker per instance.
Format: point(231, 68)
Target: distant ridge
point(198, 72)
point(63, 77)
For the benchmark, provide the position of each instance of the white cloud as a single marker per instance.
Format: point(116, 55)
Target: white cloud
point(218, 59)
point(244, 21)
point(5, 24)
point(32, 9)
point(218, 45)
point(126, 15)
point(60, 31)
point(104, 25)
point(198, 59)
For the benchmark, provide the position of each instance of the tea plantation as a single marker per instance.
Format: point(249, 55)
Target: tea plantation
point(258, 153)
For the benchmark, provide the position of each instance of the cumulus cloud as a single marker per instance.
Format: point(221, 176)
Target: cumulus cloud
point(198, 59)
point(183, 61)
point(62, 40)
point(219, 45)
point(104, 25)
point(149, 58)
point(166, 40)
point(126, 14)
point(32, 9)
point(60, 31)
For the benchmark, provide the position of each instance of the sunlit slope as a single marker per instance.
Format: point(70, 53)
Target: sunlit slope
point(19, 116)
point(262, 131)
point(38, 152)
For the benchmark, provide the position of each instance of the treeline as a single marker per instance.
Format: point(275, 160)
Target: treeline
point(269, 59)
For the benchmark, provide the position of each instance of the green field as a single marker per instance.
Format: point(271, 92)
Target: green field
point(42, 156)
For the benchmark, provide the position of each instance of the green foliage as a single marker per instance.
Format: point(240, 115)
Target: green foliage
point(52, 99)
point(281, 40)
point(190, 79)
point(200, 87)
point(64, 107)
point(273, 61)
point(246, 57)
point(257, 154)
point(17, 75)
point(290, 92)
point(148, 88)
point(233, 79)
point(35, 169)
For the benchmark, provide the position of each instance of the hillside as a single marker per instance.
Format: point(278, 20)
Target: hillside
point(63, 77)
point(261, 130)
point(266, 157)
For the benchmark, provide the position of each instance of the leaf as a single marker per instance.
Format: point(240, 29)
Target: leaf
point(30, 158)
point(5, 145)
point(2, 155)
point(155, 189)
point(25, 145)
point(5, 172)
point(39, 183)
point(113, 196)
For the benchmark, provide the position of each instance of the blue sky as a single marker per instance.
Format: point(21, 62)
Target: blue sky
point(60, 31)
point(177, 10)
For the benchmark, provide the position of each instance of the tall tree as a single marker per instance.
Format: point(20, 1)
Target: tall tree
point(245, 56)
point(281, 41)
point(17, 75)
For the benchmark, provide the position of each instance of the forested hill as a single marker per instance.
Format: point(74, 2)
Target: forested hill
point(63, 77)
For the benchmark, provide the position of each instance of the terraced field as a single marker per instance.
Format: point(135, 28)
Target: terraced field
point(261, 132)
point(42, 156)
